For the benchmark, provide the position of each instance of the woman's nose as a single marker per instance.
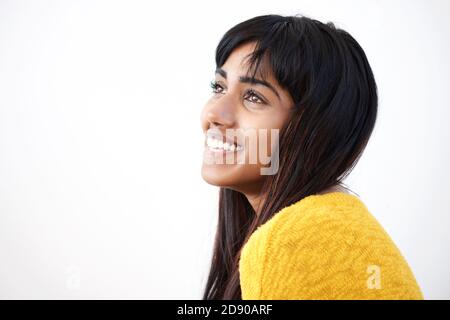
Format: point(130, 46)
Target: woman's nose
point(221, 113)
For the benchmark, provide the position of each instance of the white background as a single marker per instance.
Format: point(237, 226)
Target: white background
point(100, 140)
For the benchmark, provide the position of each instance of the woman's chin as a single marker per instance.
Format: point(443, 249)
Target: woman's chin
point(231, 175)
point(217, 174)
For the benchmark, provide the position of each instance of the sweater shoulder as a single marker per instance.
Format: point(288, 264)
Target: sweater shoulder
point(341, 215)
point(316, 214)
point(332, 238)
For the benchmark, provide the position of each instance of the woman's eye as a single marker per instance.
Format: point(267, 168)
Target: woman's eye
point(253, 97)
point(250, 95)
point(216, 88)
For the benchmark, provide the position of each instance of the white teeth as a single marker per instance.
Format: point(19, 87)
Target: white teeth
point(218, 144)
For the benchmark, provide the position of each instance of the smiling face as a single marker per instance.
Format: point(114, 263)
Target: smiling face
point(239, 104)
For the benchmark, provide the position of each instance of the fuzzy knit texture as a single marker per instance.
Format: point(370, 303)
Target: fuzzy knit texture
point(326, 246)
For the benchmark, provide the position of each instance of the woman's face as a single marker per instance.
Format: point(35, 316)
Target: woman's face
point(236, 111)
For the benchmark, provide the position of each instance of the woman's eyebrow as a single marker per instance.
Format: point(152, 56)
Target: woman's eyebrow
point(244, 79)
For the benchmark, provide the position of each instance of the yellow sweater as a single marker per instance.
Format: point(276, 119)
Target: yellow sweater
point(323, 247)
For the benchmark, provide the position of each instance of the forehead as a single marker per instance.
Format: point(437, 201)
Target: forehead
point(238, 63)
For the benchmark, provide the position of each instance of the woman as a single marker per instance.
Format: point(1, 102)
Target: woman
point(295, 232)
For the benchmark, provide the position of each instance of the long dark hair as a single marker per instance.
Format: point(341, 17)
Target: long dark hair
point(335, 108)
